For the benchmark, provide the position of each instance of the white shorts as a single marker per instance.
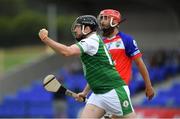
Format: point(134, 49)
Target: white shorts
point(116, 102)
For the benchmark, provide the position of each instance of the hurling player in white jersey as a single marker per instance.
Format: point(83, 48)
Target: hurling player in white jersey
point(110, 93)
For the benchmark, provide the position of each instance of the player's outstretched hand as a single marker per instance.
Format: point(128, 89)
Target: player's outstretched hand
point(149, 92)
point(43, 34)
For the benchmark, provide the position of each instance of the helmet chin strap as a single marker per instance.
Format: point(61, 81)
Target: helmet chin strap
point(83, 27)
point(84, 34)
point(111, 23)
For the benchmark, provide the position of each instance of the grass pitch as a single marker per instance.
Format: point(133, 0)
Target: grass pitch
point(12, 57)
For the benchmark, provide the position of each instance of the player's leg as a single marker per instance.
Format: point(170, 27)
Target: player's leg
point(117, 102)
point(93, 108)
point(125, 103)
point(92, 111)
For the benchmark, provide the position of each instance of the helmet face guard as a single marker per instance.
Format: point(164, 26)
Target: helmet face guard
point(83, 21)
point(74, 25)
point(77, 36)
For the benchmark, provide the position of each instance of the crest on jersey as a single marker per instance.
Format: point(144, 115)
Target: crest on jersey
point(118, 43)
point(125, 103)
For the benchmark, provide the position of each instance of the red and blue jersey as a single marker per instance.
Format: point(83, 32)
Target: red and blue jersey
point(123, 50)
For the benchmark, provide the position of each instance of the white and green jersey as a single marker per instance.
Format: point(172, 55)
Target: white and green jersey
point(98, 66)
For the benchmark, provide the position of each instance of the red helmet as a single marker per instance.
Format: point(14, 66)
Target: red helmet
point(112, 13)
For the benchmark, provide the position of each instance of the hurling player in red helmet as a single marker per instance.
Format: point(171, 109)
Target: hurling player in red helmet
point(114, 16)
point(112, 19)
point(123, 48)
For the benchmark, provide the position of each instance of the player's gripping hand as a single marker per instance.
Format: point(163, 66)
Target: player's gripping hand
point(79, 97)
point(149, 92)
point(43, 34)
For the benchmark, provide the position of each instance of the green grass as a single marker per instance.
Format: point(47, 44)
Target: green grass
point(11, 58)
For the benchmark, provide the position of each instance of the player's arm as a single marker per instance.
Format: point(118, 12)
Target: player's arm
point(58, 47)
point(86, 89)
point(83, 94)
point(135, 54)
point(144, 72)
